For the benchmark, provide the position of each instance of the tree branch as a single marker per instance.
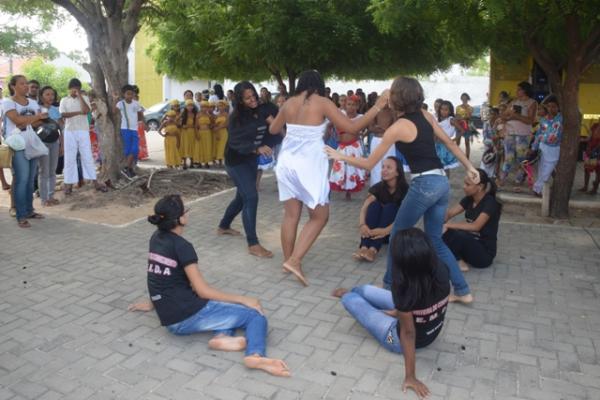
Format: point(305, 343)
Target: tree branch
point(75, 12)
point(131, 24)
point(591, 49)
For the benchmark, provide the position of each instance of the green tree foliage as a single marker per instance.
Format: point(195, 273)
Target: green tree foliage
point(563, 37)
point(48, 74)
point(254, 39)
point(22, 42)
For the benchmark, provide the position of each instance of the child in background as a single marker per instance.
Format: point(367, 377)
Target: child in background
point(500, 128)
point(591, 160)
point(131, 114)
point(203, 144)
point(220, 129)
point(141, 128)
point(188, 132)
point(213, 112)
point(490, 157)
point(170, 131)
point(463, 115)
point(345, 177)
point(452, 127)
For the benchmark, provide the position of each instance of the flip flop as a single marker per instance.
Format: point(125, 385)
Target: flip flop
point(36, 216)
point(24, 224)
point(297, 273)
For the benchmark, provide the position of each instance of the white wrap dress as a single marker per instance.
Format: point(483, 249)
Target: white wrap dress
point(302, 166)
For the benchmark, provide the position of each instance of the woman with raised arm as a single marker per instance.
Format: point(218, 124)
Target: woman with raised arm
point(413, 135)
point(302, 166)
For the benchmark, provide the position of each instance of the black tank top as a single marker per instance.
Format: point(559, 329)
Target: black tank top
point(420, 153)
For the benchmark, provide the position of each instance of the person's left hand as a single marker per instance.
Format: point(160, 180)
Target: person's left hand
point(473, 175)
point(444, 228)
point(265, 151)
point(333, 154)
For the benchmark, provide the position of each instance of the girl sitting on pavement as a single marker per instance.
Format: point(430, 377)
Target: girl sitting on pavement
point(186, 304)
point(411, 314)
point(473, 242)
point(380, 208)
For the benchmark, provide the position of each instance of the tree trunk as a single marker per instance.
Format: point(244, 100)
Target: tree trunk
point(567, 164)
point(292, 81)
point(279, 78)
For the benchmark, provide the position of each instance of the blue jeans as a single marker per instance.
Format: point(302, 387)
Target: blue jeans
point(245, 200)
point(427, 197)
point(224, 319)
point(24, 174)
point(379, 216)
point(366, 304)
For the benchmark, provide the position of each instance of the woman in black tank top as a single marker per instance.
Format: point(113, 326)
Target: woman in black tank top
point(413, 135)
point(427, 197)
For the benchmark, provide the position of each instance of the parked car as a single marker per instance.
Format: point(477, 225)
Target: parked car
point(153, 115)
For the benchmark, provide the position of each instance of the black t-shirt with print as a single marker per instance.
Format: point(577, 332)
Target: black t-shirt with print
point(383, 195)
point(169, 287)
point(429, 310)
point(488, 234)
point(247, 132)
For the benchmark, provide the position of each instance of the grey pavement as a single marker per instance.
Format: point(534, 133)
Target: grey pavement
point(532, 333)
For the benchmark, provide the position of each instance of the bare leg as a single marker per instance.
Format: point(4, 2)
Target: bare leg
point(227, 343)
point(5, 185)
point(270, 365)
point(464, 267)
point(310, 231)
point(467, 148)
point(289, 226)
point(595, 185)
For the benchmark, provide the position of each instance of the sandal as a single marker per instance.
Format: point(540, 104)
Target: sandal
point(6, 187)
point(36, 216)
point(23, 223)
point(102, 188)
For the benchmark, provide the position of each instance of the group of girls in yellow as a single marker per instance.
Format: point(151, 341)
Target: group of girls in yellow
point(195, 138)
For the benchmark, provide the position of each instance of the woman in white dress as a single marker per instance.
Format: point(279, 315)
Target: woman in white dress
point(302, 166)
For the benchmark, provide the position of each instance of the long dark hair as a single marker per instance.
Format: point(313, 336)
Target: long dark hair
point(450, 108)
point(527, 88)
point(310, 82)
point(406, 95)
point(238, 94)
point(401, 184)
point(13, 82)
point(167, 212)
point(414, 263)
point(184, 114)
point(489, 185)
point(219, 91)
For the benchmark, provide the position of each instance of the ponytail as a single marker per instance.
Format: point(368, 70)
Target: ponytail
point(489, 185)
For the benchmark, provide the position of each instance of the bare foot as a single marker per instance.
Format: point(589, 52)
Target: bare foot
point(464, 267)
point(228, 231)
point(466, 299)
point(370, 255)
point(360, 254)
point(270, 365)
point(297, 271)
point(339, 292)
point(227, 343)
point(259, 251)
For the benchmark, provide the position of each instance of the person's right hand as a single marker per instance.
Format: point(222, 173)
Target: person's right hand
point(383, 99)
point(365, 232)
point(141, 306)
point(419, 387)
point(252, 302)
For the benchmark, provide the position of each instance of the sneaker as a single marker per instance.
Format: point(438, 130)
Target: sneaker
point(13, 212)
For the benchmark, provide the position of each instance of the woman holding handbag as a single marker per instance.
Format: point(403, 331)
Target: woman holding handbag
point(22, 113)
point(49, 133)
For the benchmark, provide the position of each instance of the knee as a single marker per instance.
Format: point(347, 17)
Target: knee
point(350, 298)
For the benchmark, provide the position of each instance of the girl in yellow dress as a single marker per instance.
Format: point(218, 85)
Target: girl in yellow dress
point(203, 144)
point(188, 132)
point(220, 130)
point(170, 131)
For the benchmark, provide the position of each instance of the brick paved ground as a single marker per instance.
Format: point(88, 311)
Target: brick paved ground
point(533, 333)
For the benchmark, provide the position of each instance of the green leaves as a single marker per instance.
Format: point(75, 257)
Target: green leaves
point(23, 42)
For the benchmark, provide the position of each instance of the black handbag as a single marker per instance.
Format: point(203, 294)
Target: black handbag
point(48, 131)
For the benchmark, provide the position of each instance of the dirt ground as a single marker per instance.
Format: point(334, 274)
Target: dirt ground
point(133, 199)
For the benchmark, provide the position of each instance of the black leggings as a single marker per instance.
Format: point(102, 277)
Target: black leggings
point(468, 248)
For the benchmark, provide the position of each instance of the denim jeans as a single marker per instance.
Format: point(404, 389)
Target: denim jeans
point(24, 175)
point(427, 197)
point(379, 216)
point(367, 305)
point(245, 200)
point(223, 319)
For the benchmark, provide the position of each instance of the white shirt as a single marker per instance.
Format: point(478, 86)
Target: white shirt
point(8, 104)
point(129, 114)
point(79, 122)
